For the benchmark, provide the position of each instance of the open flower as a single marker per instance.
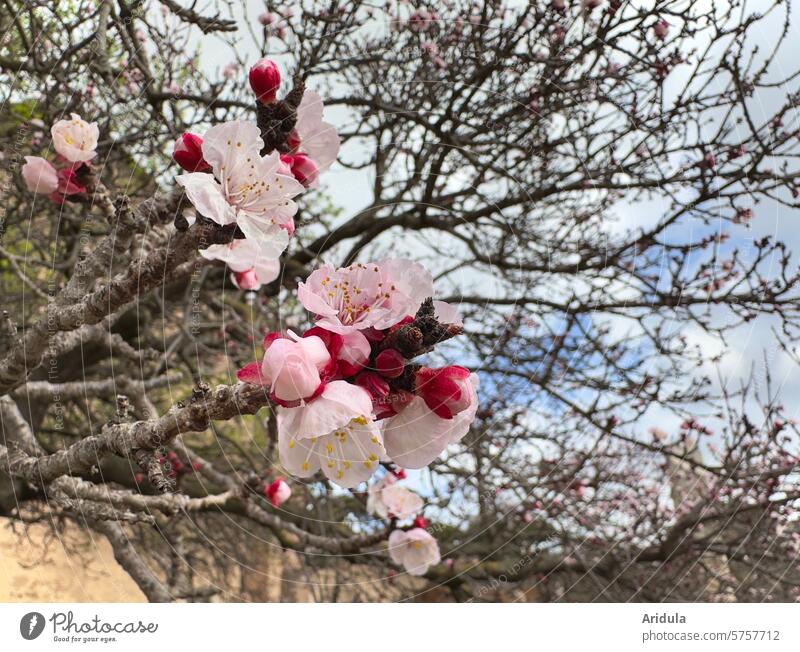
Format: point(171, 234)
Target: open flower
point(375, 504)
point(334, 433)
point(377, 295)
point(415, 550)
point(258, 260)
point(245, 187)
point(292, 367)
point(39, 175)
point(75, 139)
point(416, 436)
point(387, 499)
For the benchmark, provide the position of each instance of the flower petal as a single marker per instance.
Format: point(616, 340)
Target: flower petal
point(227, 146)
point(416, 436)
point(351, 454)
point(207, 197)
point(251, 373)
point(338, 404)
point(298, 456)
point(447, 314)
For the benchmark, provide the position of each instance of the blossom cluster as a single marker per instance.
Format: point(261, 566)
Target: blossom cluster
point(75, 143)
point(230, 181)
point(350, 397)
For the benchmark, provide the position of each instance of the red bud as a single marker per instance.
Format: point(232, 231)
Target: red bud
point(188, 153)
point(265, 80)
point(303, 168)
point(390, 363)
point(373, 383)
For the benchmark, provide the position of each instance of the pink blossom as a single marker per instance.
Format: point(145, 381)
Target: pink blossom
point(421, 20)
point(188, 153)
point(39, 175)
point(391, 500)
point(447, 314)
point(375, 504)
point(258, 259)
point(445, 391)
point(265, 80)
point(368, 295)
point(312, 135)
point(416, 436)
point(429, 49)
point(230, 70)
point(278, 492)
point(339, 403)
point(661, 29)
point(292, 367)
point(333, 433)
point(415, 550)
point(266, 18)
point(75, 139)
point(245, 187)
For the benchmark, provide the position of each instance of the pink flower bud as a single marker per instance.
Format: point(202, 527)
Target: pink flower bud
point(278, 492)
point(39, 175)
point(294, 368)
point(303, 169)
point(445, 391)
point(246, 280)
point(390, 363)
point(267, 18)
point(661, 29)
point(188, 153)
point(265, 80)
